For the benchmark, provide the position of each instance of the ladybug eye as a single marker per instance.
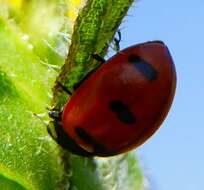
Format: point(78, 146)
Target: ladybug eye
point(122, 112)
point(143, 67)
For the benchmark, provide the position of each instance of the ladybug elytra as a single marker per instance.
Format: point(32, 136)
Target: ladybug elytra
point(121, 104)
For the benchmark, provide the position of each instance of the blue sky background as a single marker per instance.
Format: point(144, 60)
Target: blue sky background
point(173, 158)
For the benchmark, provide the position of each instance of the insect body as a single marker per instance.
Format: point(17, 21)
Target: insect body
point(120, 105)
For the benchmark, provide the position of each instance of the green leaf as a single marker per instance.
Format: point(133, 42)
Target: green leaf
point(83, 174)
point(120, 172)
point(29, 65)
point(8, 184)
point(28, 156)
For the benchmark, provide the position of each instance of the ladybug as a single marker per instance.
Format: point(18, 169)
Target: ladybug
point(121, 104)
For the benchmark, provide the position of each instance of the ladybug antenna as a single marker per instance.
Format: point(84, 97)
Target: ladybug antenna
point(117, 41)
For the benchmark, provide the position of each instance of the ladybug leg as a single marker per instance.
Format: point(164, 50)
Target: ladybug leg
point(53, 125)
point(51, 129)
point(96, 57)
point(117, 41)
point(77, 85)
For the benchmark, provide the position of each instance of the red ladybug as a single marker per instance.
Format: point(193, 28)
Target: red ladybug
point(120, 105)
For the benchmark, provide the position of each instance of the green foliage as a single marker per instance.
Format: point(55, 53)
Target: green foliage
point(27, 153)
point(32, 50)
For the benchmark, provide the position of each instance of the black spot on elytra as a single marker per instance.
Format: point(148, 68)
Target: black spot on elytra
point(64, 140)
point(122, 112)
point(143, 67)
point(98, 148)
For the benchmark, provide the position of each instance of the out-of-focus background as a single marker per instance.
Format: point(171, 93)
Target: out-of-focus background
point(173, 157)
